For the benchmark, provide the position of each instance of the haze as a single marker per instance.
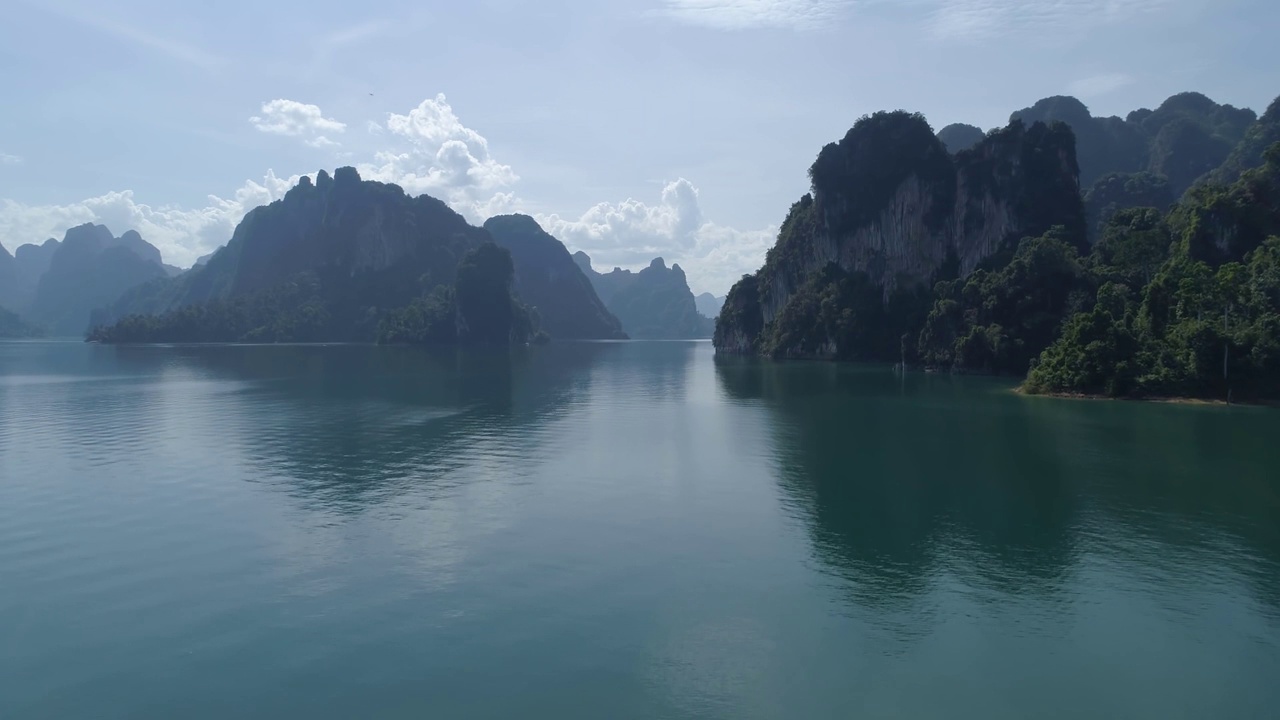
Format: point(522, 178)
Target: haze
point(677, 128)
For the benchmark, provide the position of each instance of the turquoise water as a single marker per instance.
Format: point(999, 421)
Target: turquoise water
point(618, 530)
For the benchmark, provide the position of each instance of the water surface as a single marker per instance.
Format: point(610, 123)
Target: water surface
point(618, 530)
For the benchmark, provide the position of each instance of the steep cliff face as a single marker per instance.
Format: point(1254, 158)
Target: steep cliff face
point(547, 279)
point(653, 304)
point(893, 211)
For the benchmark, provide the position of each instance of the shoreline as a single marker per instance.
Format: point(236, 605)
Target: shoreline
point(1020, 390)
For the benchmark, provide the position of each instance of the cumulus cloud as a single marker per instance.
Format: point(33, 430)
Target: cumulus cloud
point(295, 119)
point(747, 14)
point(7, 159)
point(437, 154)
point(631, 233)
point(182, 235)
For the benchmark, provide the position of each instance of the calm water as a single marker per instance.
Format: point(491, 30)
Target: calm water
point(627, 530)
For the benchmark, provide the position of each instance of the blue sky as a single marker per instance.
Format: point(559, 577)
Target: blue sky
point(630, 129)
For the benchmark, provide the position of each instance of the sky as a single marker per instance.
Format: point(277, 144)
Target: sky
point(630, 129)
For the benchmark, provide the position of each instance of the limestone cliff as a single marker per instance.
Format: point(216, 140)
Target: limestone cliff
point(890, 205)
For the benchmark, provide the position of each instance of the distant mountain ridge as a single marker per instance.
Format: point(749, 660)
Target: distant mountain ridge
point(653, 304)
point(708, 305)
point(88, 269)
point(1149, 157)
point(344, 259)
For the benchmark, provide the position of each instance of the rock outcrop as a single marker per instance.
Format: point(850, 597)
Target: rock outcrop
point(892, 206)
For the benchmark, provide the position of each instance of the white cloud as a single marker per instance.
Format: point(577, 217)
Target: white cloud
point(747, 14)
point(434, 153)
point(7, 159)
point(1099, 84)
point(295, 119)
point(631, 233)
point(182, 235)
point(979, 19)
point(439, 155)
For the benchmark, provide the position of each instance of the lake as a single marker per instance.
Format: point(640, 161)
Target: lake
point(618, 530)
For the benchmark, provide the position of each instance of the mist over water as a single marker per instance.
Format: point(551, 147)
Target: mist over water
point(618, 530)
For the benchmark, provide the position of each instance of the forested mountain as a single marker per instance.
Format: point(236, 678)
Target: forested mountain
point(352, 260)
point(653, 304)
point(1185, 304)
point(548, 280)
point(892, 212)
point(88, 269)
point(981, 264)
point(328, 261)
point(1183, 139)
point(478, 308)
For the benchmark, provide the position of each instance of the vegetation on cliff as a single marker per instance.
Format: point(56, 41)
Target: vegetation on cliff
point(346, 260)
point(477, 309)
point(1204, 323)
point(480, 308)
point(891, 214)
point(1166, 298)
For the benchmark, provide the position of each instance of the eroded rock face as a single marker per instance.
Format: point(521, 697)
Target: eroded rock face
point(889, 201)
